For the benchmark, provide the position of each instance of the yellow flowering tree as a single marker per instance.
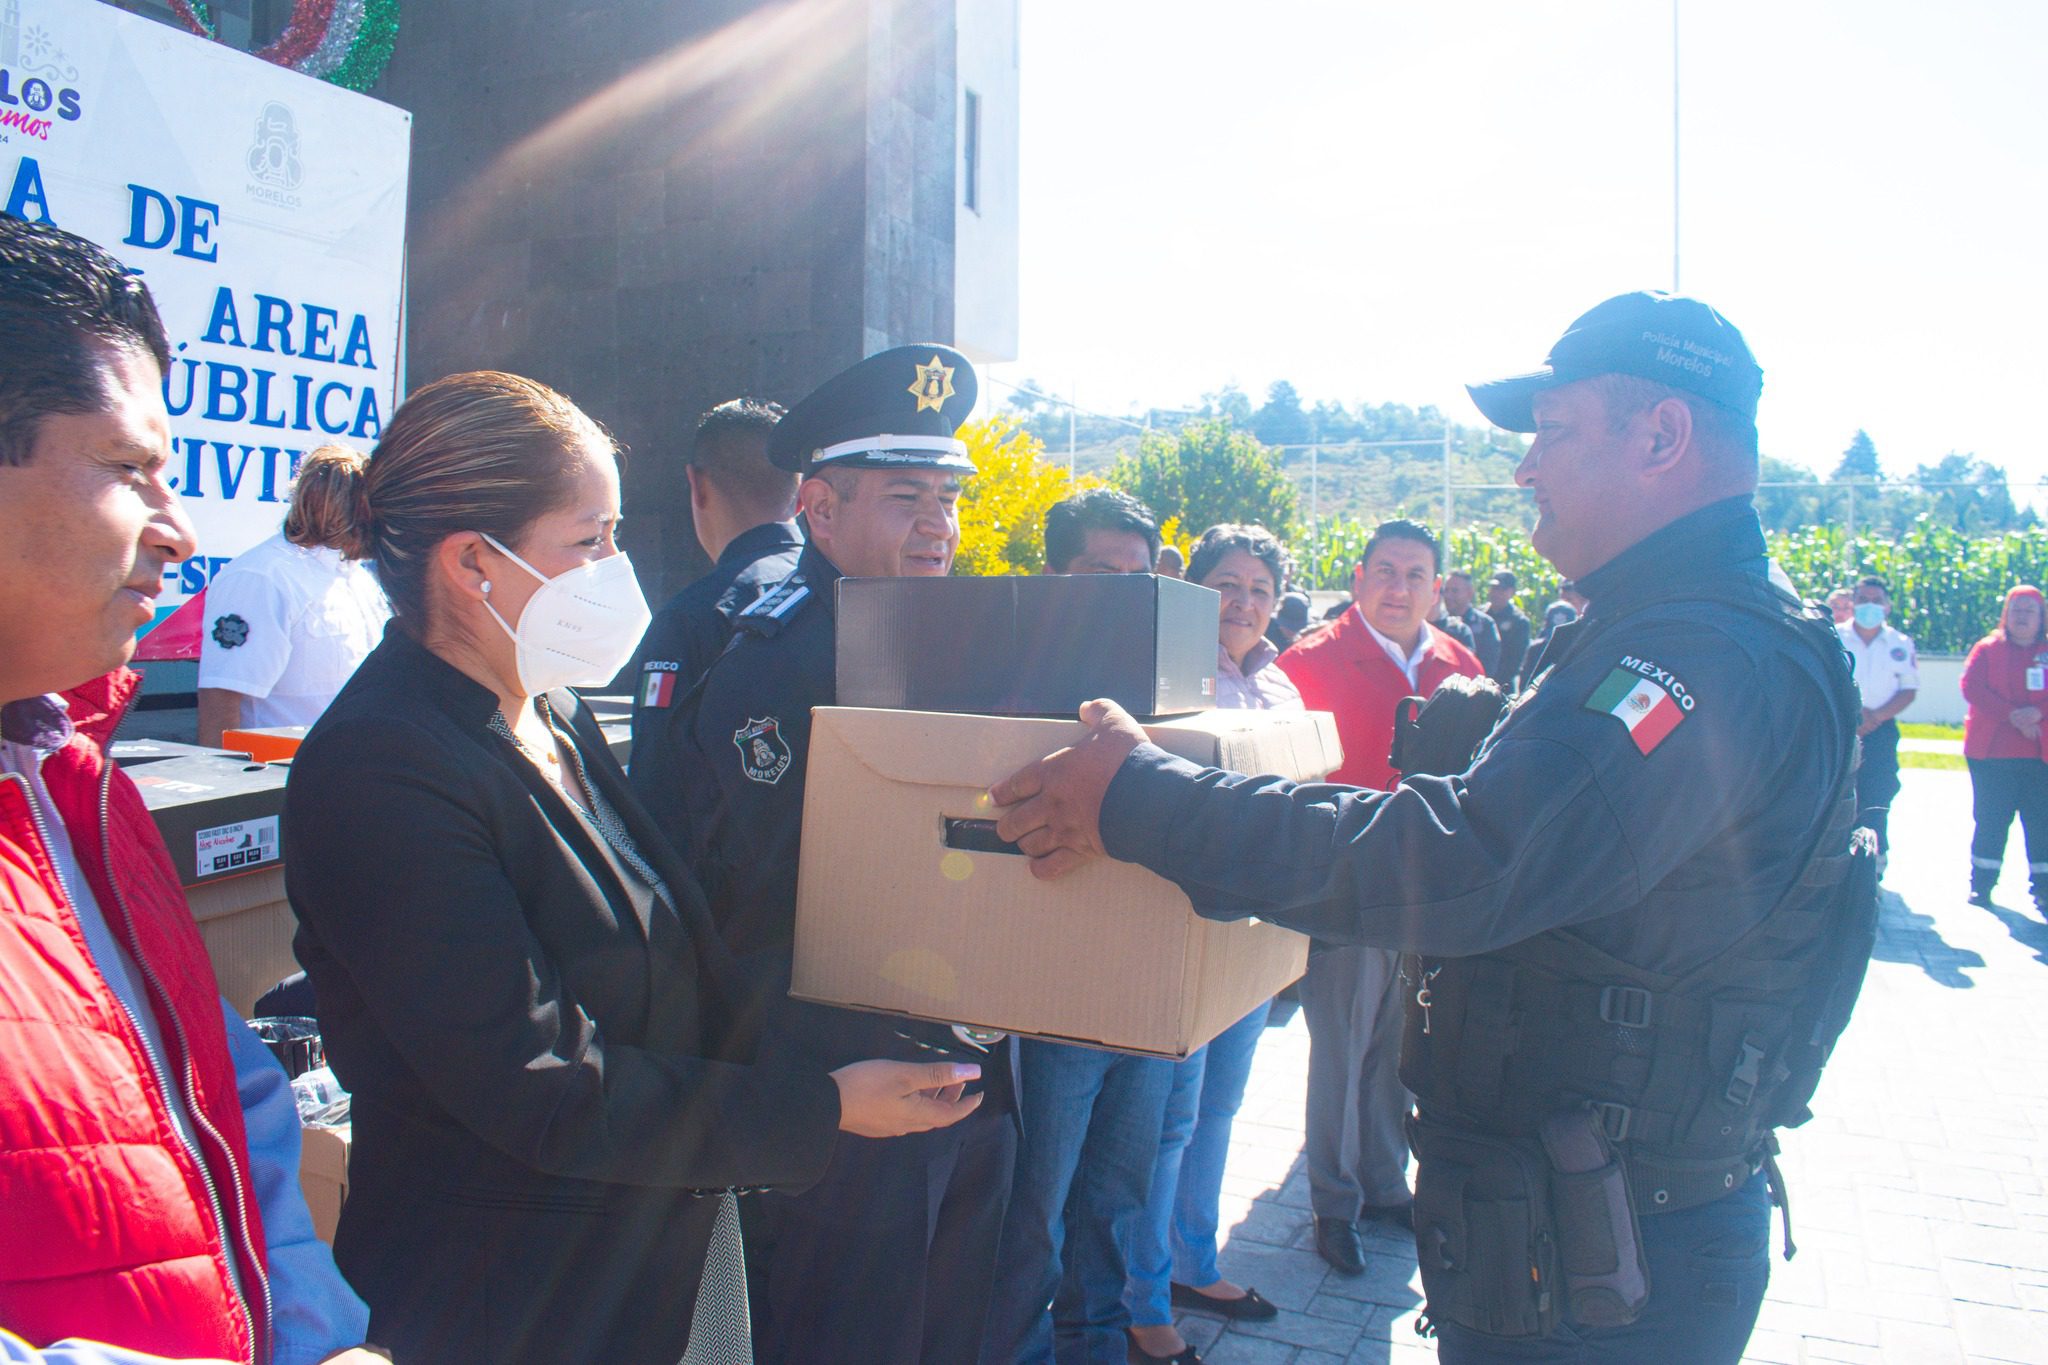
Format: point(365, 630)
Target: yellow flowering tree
point(1002, 508)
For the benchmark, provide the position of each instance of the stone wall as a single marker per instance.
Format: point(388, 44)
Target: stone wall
point(656, 206)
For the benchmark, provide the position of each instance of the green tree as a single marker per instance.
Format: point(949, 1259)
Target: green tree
point(1970, 495)
point(1784, 509)
point(1209, 472)
point(1230, 404)
point(1028, 399)
point(1859, 461)
point(1281, 422)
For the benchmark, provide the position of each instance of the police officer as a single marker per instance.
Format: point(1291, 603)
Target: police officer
point(1634, 911)
point(742, 507)
point(890, 1258)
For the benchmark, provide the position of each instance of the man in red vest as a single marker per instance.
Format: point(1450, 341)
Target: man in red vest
point(149, 1144)
point(1376, 653)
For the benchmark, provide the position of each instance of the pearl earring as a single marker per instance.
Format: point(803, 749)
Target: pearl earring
point(487, 587)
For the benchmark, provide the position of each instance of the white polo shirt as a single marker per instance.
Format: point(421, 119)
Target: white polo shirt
point(1407, 663)
point(1886, 665)
point(286, 626)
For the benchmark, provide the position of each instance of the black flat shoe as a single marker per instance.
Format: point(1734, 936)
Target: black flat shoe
point(1337, 1242)
point(1140, 1356)
point(1251, 1307)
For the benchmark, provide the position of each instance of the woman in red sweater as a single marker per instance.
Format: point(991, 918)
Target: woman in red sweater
point(2005, 683)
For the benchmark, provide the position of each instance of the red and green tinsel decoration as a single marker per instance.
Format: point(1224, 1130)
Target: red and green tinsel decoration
point(347, 42)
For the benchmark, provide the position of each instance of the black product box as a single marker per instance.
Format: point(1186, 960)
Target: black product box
point(218, 816)
point(1031, 645)
point(135, 753)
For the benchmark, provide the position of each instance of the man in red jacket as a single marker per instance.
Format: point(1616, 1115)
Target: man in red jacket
point(1376, 653)
point(149, 1197)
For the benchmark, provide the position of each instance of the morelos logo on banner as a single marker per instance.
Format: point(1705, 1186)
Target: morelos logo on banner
point(266, 211)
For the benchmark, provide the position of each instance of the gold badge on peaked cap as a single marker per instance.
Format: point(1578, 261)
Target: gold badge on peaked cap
point(933, 385)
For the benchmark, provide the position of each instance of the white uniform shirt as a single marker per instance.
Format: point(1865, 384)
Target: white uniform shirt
point(285, 626)
point(1886, 665)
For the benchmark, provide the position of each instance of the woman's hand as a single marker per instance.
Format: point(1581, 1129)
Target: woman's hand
point(888, 1099)
point(2027, 720)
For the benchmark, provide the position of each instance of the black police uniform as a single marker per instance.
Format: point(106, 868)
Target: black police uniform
point(684, 639)
point(1485, 638)
point(890, 1258)
point(1513, 628)
point(1634, 855)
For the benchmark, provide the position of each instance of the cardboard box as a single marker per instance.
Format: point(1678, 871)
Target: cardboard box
point(247, 926)
point(907, 904)
point(220, 819)
point(268, 745)
point(218, 816)
point(1034, 645)
point(323, 1176)
point(136, 753)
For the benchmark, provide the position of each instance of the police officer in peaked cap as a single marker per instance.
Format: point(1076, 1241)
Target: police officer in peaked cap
point(890, 1258)
point(1635, 922)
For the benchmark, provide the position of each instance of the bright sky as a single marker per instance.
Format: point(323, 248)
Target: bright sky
point(1381, 200)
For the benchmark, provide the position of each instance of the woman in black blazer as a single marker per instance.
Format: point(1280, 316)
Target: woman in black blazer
point(518, 979)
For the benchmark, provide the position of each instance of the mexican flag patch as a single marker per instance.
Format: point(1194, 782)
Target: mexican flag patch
point(658, 682)
point(1649, 710)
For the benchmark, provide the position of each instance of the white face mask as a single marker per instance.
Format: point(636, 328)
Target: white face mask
point(580, 627)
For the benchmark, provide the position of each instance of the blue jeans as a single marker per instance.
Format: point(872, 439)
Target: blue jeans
point(1709, 1267)
point(1091, 1135)
point(1175, 1238)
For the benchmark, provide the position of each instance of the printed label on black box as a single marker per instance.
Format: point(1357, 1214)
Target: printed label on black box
point(232, 848)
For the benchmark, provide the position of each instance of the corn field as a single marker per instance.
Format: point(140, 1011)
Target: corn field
point(1946, 586)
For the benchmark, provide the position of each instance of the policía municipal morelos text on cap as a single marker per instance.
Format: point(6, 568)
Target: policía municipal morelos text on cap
point(897, 409)
point(1665, 337)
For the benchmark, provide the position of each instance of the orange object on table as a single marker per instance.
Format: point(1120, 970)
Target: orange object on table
point(265, 745)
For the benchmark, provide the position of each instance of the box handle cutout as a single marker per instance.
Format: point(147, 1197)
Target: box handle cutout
point(977, 836)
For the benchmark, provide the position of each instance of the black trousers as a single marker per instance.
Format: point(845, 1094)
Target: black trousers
point(890, 1258)
point(1877, 781)
point(2001, 788)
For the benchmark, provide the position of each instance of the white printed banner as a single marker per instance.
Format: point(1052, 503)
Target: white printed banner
point(266, 211)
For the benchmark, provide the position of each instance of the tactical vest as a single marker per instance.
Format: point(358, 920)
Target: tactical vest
point(1688, 1074)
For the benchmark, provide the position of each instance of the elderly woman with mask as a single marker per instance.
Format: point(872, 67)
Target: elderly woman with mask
point(2005, 683)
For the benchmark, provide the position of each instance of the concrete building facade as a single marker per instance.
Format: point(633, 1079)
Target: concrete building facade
point(655, 207)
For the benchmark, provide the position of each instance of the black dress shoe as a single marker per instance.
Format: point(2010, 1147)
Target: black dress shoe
point(1399, 1216)
point(1337, 1242)
point(1140, 1356)
point(1248, 1308)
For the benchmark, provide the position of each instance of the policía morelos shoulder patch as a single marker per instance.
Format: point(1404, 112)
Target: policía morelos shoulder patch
point(1647, 699)
point(764, 753)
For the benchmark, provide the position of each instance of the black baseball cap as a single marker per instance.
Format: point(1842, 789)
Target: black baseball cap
point(899, 408)
point(1666, 337)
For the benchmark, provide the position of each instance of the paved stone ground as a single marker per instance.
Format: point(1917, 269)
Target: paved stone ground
point(1917, 1193)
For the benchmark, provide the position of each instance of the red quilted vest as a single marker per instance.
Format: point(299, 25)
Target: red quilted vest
point(108, 1227)
point(1344, 671)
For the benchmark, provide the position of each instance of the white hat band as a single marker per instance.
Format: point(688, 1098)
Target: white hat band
point(888, 445)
